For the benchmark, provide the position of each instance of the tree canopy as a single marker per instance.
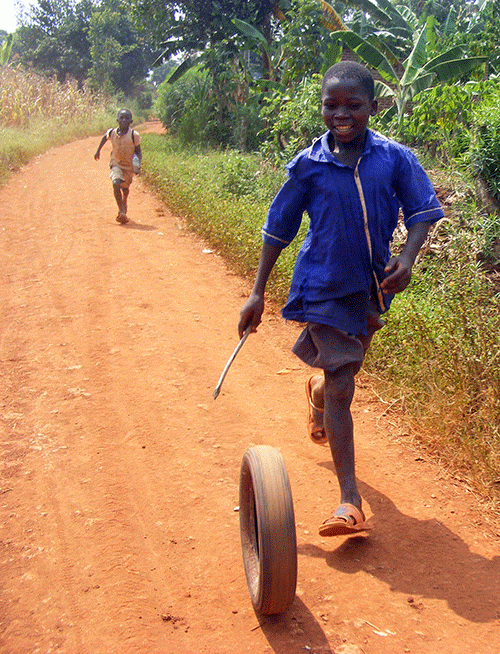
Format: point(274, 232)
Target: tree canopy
point(83, 39)
point(192, 25)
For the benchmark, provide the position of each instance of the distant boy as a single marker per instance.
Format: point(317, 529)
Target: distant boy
point(125, 147)
point(352, 182)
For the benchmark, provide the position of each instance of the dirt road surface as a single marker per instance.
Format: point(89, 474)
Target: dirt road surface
point(119, 472)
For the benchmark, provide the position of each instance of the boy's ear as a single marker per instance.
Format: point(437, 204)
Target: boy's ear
point(374, 108)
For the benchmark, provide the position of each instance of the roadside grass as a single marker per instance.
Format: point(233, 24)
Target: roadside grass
point(435, 362)
point(224, 198)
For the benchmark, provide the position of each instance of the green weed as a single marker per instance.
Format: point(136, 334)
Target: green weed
point(439, 354)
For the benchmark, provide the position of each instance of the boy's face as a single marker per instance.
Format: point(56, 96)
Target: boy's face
point(124, 120)
point(346, 109)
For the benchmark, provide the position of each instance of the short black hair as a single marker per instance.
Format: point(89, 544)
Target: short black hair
point(127, 111)
point(351, 70)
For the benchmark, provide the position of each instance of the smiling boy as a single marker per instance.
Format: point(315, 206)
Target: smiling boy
point(352, 183)
point(125, 143)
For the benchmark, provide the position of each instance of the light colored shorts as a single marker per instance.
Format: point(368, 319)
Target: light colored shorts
point(118, 173)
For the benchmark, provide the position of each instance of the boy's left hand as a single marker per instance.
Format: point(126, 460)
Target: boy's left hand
point(398, 269)
point(398, 272)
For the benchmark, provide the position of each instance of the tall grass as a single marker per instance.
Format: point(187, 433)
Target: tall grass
point(28, 99)
point(37, 113)
point(436, 359)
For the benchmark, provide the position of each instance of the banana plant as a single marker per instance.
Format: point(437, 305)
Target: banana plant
point(420, 72)
point(401, 21)
point(330, 19)
point(257, 40)
point(256, 37)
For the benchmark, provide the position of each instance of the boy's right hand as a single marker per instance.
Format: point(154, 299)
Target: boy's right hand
point(251, 314)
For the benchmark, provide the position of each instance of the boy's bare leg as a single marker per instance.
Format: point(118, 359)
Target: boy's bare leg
point(338, 395)
point(117, 190)
point(121, 195)
point(125, 192)
point(348, 518)
point(318, 391)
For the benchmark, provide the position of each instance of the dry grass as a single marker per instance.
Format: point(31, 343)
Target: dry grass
point(27, 98)
point(37, 113)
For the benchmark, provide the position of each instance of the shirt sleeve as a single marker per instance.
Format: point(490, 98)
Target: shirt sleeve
point(415, 192)
point(286, 211)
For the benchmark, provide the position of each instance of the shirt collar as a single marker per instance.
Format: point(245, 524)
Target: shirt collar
point(320, 149)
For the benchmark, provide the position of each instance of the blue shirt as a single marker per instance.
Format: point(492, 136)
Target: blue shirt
point(353, 214)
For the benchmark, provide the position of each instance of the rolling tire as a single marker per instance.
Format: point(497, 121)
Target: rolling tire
point(267, 527)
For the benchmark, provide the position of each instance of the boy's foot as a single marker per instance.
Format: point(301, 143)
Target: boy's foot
point(122, 218)
point(315, 427)
point(346, 520)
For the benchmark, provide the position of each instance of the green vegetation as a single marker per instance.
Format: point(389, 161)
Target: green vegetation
point(437, 359)
point(485, 152)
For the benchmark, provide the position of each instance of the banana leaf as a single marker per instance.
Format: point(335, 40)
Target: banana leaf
point(368, 53)
point(447, 71)
point(416, 60)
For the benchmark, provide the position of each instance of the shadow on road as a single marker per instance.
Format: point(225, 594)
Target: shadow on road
point(132, 225)
point(295, 631)
point(418, 557)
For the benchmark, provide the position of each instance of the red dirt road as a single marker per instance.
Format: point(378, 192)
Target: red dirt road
point(119, 472)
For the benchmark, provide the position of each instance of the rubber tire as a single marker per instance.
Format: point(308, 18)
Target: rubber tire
point(267, 528)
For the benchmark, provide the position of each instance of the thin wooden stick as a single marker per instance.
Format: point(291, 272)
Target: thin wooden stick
point(230, 361)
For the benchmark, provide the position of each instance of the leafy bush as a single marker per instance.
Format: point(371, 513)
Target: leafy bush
point(248, 175)
point(293, 122)
point(197, 120)
point(184, 108)
point(237, 174)
point(485, 147)
point(190, 110)
point(440, 119)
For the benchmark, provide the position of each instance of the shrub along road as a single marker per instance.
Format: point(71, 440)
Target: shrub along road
point(119, 472)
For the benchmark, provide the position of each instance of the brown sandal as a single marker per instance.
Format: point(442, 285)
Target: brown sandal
point(346, 520)
point(122, 218)
point(315, 427)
